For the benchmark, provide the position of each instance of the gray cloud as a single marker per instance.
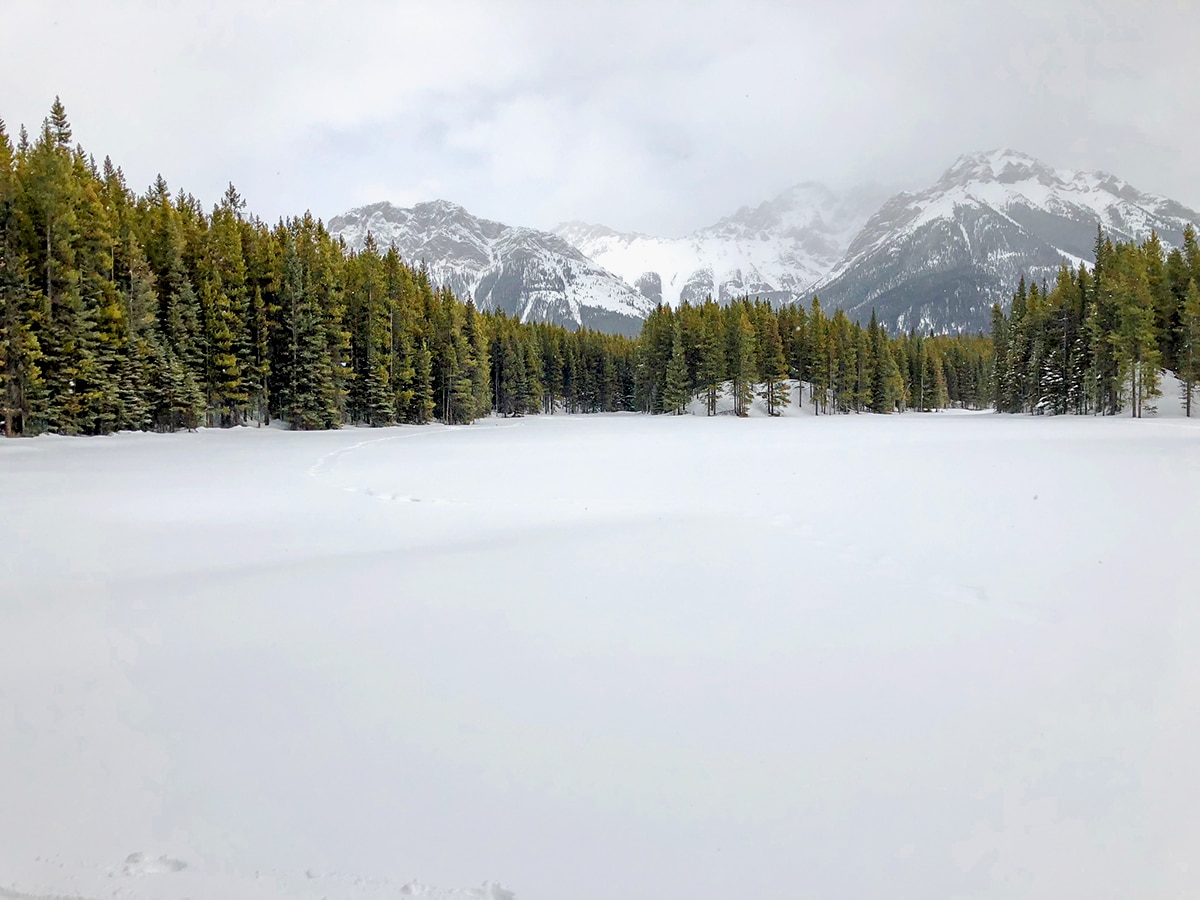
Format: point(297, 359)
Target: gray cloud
point(657, 116)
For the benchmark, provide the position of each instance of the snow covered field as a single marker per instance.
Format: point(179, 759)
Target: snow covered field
point(604, 658)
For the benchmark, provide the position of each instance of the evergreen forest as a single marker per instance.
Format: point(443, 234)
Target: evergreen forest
point(127, 311)
point(1098, 340)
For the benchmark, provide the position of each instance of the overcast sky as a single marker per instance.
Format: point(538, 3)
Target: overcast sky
point(651, 116)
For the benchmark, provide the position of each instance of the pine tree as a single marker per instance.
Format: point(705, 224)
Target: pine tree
point(677, 392)
point(654, 354)
point(480, 366)
point(886, 386)
point(258, 374)
point(793, 331)
point(372, 396)
point(934, 394)
point(44, 220)
point(894, 382)
point(710, 370)
point(741, 355)
point(820, 353)
point(533, 381)
point(774, 373)
point(60, 128)
point(310, 396)
point(377, 397)
point(1189, 344)
point(20, 378)
point(513, 391)
point(225, 306)
point(176, 399)
point(1134, 341)
point(423, 403)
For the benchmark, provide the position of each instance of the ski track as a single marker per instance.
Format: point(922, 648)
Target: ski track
point(324, 465)
point(325, 462)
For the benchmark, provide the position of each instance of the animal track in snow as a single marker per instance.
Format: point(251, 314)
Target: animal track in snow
point(138, 864)
point(397, 498)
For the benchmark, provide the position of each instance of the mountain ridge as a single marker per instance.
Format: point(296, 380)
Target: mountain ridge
point(776, 249)
point(531, 274)
point(938, 258)
point(934, 259)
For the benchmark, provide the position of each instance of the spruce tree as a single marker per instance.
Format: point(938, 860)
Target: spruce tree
point(44, 218)
point(225, 305)
point(677, 391)
point(1134, 341)
point(741, 355)
point(20, 377)
point(310, 401)
point(533, 370)
point(654, 354)
point(481, 383)
point(933, 381)
point(820, 354)
point(423, 403)
point(795, 338)
point(711, 368)
point(1189, 344)
point(885, 374)
point(775, 372)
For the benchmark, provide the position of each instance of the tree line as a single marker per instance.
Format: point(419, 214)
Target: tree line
point(125, 311)
point(750, 349)
point(1097, 340)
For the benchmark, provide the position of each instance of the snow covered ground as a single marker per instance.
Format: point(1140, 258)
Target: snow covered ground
point(604, 657)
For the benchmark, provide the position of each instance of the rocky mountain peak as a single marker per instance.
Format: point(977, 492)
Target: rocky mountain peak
point(933, 259)
point(534, 275)
point(937, 259)
point(999, 166)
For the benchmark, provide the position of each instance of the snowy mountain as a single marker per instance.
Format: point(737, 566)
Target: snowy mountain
point(776, 250)
point(531, 274)
point(939, 258)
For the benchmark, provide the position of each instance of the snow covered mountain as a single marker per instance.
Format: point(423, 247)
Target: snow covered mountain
point(938, 259)
point(531, 274)
point(776, 250)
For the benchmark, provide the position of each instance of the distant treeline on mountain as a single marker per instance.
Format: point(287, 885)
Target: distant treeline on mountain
point(144, 312)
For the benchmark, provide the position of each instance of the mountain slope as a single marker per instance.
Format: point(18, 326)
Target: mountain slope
point(934, 260)
point(940, 258)
point(776, 250)
point(531, 274)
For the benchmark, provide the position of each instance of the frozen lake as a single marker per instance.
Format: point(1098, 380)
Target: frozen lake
point(608, 657)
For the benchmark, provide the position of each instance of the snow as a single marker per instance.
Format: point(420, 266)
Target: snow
point(593, 657)
point(1003, 181)
point(462, 251)
point(749, 261)
point(758, 406)
point(784, 244)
